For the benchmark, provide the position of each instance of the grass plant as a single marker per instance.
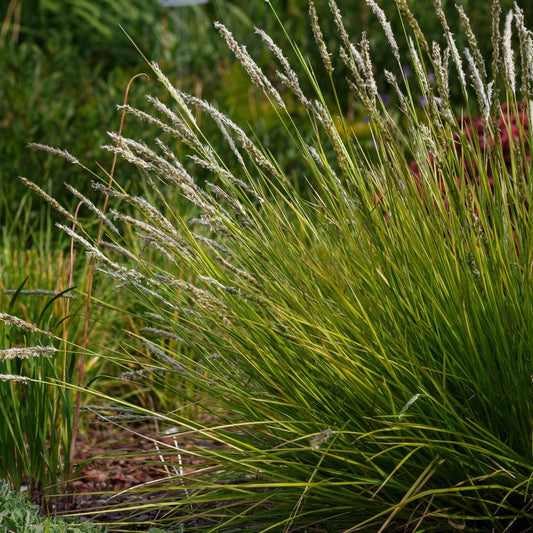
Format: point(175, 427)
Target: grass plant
point(360, 349)
point(36, 420)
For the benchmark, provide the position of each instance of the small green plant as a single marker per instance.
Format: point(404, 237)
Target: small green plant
point(19, 515)
point(360, 350)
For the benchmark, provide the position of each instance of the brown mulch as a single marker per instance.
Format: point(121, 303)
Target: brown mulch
point(112, 464)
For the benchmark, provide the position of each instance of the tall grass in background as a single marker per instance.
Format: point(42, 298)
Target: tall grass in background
point(360, 350)
point(36, 417)
point(42, 322)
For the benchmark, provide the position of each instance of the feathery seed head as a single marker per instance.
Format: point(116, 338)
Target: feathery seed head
point(52, 201)
point(55, 151)
point(27, 352)
point(385, 24)
point(319, 39)
point(508, 54)
point(250, 66)
point(11, 320)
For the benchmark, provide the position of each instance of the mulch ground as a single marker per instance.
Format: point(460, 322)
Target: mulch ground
point(110, 464)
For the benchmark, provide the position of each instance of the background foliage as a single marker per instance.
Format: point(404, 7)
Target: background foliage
point(65, 65)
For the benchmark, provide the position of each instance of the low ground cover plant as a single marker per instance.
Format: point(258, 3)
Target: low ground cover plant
point(354, 371)
point(19, 515)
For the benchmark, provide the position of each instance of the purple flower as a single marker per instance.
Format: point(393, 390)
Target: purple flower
point(406, 71)
point(385, 99)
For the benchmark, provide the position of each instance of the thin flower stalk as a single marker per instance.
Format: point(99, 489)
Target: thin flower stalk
point(218, 285)
point(149, 119)
point(393, 82)
point(170, 242)
point(341, 153)
point(142, 375)
point(257, 155)
point(358, 86)
point(452, 45)
point(119, 249)
point(55, 151)
point(209, 242)
point(92, 251)
point(162, 356)
point(337, 17)
point(174, 172)
point(368, 69)
point(129, 156)
point(225, 176)
point(93, 208)
point(419, 68)
point(157, 219)
point(185, 132)
point(526, 54)
point(162, 333)
point(130, 282)
point(480, 89)
point(177, 175)
point(233, 203)
point(52, 201)
point(153, 243)
point(405, 10)
point(473, 45)
point(440, 65)
point(41, 292)
point(238, 271)
point(134, 146)
point(529, 61)
point(289, 77)
point(174, 93)
point(15, 378)
point(496, 38)
point(230, 142)
point(201, 296)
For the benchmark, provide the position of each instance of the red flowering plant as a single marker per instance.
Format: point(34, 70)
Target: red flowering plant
point(505, 146)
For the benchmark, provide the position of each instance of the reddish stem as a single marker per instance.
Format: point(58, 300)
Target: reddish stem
point(90, 277)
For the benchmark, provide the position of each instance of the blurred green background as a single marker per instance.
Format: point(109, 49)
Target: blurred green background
point(65, 65)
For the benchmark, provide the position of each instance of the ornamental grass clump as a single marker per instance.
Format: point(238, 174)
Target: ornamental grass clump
point(358, 337)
